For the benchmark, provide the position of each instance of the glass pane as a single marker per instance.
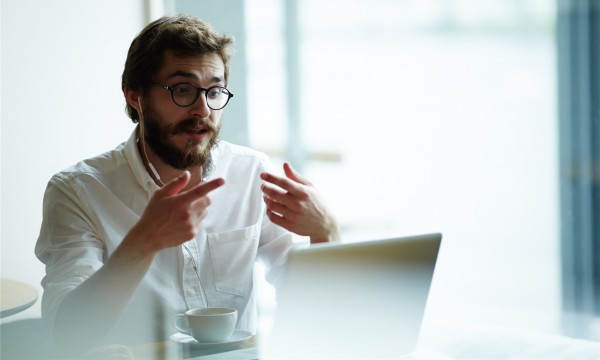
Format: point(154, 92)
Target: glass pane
point(266, 74)
point(443, 114)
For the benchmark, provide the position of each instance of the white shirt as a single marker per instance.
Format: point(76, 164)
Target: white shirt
point(89, 208)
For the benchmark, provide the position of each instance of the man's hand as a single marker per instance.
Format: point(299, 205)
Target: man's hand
point(295, 205)
point(173, 216)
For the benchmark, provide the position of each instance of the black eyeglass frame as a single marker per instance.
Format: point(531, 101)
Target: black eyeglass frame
point(198, 90)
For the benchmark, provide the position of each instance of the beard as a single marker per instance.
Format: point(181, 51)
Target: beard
point(158, 136)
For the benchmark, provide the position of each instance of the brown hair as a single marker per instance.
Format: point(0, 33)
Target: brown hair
point(184, 35)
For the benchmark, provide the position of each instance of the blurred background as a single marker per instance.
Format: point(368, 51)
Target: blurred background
point(476, 119)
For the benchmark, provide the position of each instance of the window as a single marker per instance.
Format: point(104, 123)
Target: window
point(422, 116)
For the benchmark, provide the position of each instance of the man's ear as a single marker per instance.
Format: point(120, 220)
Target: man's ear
point(131, 96)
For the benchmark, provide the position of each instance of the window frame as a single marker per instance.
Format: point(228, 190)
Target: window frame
point(578, 36)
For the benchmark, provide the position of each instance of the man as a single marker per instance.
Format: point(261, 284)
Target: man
point(173, 218)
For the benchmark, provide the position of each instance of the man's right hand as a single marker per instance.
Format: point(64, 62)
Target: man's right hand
point(173, 216)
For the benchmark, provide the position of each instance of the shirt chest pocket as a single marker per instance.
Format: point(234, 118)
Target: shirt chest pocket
point(232, 254)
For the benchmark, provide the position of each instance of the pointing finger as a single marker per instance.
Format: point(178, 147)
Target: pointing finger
point(203, 189)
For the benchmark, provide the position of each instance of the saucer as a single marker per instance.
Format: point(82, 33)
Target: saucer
point(238, 337)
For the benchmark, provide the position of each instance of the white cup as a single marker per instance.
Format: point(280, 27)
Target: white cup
point(207, 325)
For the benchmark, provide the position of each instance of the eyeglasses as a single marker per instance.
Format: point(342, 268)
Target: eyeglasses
point(185, 94)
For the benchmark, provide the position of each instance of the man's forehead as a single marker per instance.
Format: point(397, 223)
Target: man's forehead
point(203, 65)
point(215, 78)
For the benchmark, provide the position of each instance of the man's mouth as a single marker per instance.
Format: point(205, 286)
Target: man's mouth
point(198, 130)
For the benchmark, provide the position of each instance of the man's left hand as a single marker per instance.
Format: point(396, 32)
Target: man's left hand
point(294, 204)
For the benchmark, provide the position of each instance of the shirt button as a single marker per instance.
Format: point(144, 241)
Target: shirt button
point(191, 291)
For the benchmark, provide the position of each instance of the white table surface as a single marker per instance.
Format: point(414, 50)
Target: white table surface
point(15, 296)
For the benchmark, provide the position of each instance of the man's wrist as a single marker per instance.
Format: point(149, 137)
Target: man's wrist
point(138, 244)
point(332, 233)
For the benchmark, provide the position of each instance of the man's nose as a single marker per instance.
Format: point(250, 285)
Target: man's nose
point(200, 107)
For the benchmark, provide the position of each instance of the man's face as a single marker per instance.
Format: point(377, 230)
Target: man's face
point(183, 136)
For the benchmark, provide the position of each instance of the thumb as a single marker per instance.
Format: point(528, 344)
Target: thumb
point(176, 185)
point(294, 175)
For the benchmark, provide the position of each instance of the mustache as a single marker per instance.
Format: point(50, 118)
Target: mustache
point(191, 123)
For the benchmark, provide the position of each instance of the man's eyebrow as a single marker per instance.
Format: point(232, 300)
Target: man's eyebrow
point(186, 74)
point(182, 74)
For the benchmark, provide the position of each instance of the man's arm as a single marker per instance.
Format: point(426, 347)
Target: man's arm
point(171, 218)
point(296, 206)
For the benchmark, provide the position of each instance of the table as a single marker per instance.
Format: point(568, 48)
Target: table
point(247, 350)
point(170, 350)
point(15, 297)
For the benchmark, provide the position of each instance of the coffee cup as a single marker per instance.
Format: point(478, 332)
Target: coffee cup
point(207, 325)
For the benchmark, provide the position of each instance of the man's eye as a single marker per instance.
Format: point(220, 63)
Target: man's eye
point(183, 90)
point(215, 93)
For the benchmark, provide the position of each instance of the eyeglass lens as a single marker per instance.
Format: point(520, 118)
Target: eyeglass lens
point(186, 94)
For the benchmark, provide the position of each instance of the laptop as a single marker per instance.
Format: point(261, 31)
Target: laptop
point(353, 300)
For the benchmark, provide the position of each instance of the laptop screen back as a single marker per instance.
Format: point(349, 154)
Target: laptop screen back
point(354, 300)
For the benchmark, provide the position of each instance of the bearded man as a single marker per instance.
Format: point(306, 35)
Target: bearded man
point(173, 218)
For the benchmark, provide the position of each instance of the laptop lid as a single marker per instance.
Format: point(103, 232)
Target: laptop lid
point(354, 300)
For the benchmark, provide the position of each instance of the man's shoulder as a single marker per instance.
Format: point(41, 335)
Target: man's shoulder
point(104, 163)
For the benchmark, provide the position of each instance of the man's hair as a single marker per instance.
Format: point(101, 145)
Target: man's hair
point(183, 35)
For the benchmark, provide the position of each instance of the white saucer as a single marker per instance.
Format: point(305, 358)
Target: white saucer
point(238, 337)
